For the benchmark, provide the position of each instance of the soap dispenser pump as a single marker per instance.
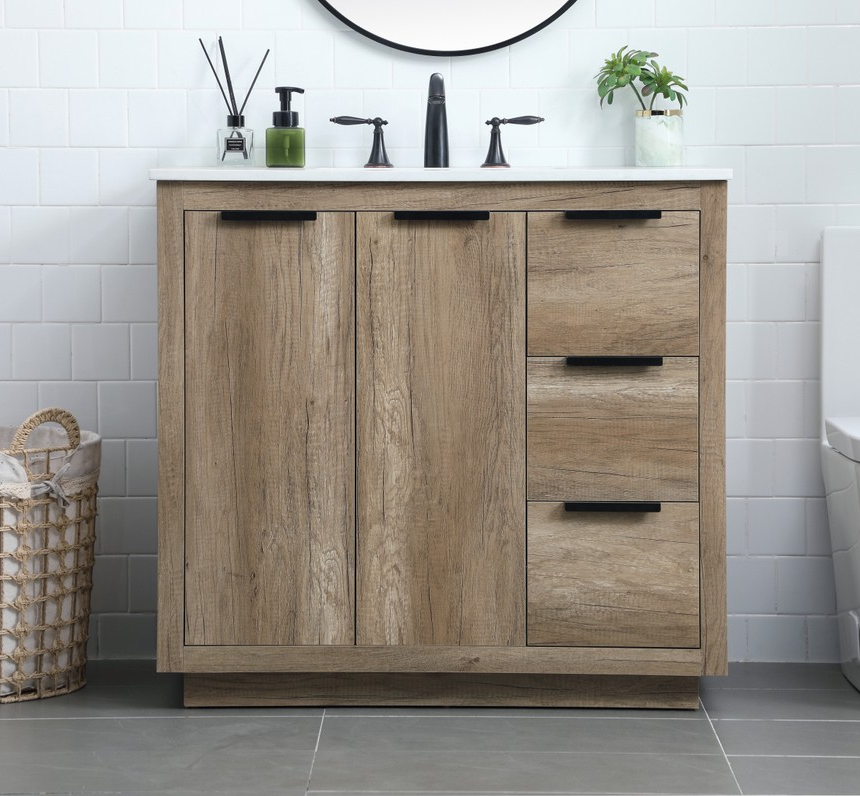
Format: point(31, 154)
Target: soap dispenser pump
point(285, 142)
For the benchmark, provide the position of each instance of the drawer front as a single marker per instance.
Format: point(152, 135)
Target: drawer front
point(606, 287)
point(613, 579)
point(613, 433)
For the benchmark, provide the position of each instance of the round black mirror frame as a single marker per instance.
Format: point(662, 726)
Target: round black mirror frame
point(519, 37)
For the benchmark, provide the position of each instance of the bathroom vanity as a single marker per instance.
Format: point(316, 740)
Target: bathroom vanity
point(449, 437)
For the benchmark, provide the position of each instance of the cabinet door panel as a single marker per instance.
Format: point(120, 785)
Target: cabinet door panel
point(614, 287)
point(269, 528)
point(441, 431)
point(614, 580)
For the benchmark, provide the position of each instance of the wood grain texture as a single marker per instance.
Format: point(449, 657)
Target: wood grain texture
point(442, 196)
point(441, 385)
point(613, 433)
point(613, 287)
point(171, 422)
point(606, 579)
point(713, 428)
point(436, 658)
point(428, 690)
point(269, 435)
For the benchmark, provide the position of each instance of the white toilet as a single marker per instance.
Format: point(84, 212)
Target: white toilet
point(840, 439)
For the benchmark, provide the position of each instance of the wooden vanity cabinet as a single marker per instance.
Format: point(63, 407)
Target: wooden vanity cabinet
point(412, 438)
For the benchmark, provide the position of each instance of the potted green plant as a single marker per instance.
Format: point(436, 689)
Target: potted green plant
point(659, 131)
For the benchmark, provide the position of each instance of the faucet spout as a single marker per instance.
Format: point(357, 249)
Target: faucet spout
point(436, 128)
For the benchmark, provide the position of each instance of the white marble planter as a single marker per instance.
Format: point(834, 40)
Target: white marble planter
point(659, 138)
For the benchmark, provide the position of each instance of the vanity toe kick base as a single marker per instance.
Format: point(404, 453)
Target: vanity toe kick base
point(441, 690)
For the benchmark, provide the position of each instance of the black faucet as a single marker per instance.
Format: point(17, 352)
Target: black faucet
point(436, 129)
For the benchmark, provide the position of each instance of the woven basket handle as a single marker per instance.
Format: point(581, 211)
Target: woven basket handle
point(53, 415)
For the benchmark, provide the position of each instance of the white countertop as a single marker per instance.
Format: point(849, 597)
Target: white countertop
point(598, 174)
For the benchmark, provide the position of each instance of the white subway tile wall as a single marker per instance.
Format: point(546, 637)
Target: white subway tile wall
point(94, 93)
point(5, 351)
point(93, 14)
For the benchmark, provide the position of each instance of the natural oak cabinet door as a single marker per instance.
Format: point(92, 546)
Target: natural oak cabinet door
point(441, 431)
point(269, 521)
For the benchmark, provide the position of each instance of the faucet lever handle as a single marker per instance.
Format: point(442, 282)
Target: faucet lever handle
point(524, 120)
point(378, 156)
point(496, 121)
point(495, 155)
point(350, 120)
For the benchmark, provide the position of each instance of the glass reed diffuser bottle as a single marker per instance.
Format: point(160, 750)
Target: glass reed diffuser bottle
point(234, 144)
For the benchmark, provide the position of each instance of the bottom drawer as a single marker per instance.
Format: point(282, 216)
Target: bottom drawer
point(610, 579)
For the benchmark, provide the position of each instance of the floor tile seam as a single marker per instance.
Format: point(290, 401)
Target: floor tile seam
point(461, 792)
point(314, 757)
point(722, 748)
point(791, 721)
point(524, 753)
point(804, 757)
point(352, 792)
point(330, 715)
point(136, 718)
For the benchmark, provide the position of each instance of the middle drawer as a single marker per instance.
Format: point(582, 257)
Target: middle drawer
point(603, 433)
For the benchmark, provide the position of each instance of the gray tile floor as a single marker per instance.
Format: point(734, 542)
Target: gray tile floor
point(765, 729)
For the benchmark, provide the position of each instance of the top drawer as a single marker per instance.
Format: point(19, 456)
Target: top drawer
point(613, 286)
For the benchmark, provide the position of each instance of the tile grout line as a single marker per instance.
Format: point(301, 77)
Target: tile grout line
point(316, 749)
point(808, 757)
point(509, 716)
point(796, 721)
point(722, 749)
point(156, 717)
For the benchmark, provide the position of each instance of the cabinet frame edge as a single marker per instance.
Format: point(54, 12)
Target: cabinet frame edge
point(171, 425)
point(712, 426)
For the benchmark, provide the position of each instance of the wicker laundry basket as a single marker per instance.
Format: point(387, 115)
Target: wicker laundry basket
point(48, 488)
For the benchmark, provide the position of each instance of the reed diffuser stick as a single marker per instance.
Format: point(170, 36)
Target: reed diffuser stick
point(253, 83)
point(227, 77)
point(217, 79)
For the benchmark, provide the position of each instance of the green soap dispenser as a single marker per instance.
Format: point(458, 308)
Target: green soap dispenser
point(285, 142)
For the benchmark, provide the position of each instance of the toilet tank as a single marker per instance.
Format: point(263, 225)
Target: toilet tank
point(840, 322)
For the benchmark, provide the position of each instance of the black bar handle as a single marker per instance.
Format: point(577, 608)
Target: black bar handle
point(615, 508)
point(268, 215)
point(441, 215)
point(614, 362)
point(612, 215)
